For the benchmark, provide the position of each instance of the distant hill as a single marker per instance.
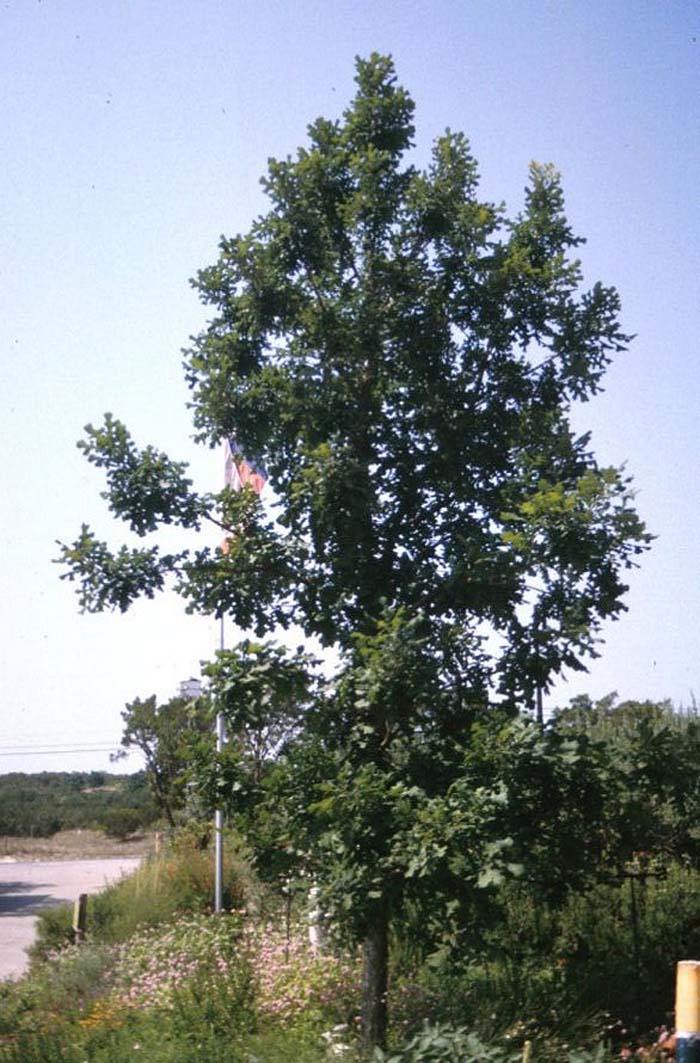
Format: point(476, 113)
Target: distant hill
point(40, 804)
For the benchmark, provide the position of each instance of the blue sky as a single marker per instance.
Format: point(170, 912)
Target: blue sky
point(133, 134)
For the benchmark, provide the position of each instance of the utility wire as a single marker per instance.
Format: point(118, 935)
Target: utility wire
point(21, 746)
point(56, 752)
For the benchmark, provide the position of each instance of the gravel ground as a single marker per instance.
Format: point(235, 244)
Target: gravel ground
point(75, 845)
point(27, 888)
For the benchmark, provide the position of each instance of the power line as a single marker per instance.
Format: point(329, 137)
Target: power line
point(31, 746)
point(56, 752)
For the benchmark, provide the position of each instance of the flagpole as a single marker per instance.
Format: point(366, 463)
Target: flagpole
point(219, 815)
point(238, 472)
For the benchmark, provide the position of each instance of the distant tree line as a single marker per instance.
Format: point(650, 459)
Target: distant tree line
point(41, 804)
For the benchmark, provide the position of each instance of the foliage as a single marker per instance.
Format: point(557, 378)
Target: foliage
point(57, 990)
point(404, 358)
point(443, 1043)
point(296, 987)
point(121, 822)
point(650, 752)
point(593, 967)
point(437, 1044)
point(618, 944)
point(167, 736)
point(262, 692)
point(155, 965)
point(184, 990)
point(43, 803)
point(444, 821)
point(226, 984)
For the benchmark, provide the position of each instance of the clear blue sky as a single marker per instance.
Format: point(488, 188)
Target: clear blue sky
point(133, 135)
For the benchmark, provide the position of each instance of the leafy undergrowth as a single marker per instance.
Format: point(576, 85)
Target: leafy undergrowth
point(161, 979)
point(220, 989)
point(199, 987)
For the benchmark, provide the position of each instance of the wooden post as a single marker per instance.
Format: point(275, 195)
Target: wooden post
point(157, 842)
point(688, 1011)
point(80, 918)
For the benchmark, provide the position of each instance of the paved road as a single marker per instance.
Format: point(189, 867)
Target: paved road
point(25, 889)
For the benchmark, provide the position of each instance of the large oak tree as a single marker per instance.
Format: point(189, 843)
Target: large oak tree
point(404, 357)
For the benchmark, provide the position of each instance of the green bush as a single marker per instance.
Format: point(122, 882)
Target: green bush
point(179, 993)
point(606, 957)
point(121, 822)
point(500, 1001)
point(619, 945)
point(603, 962)
point(54, 930)
point(55, 993)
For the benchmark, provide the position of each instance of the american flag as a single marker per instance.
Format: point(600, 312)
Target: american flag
point(240, 471)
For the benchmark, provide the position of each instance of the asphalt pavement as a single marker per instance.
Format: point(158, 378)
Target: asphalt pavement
point(28, 888)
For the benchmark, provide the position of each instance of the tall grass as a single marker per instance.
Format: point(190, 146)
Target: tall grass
point(180, 880)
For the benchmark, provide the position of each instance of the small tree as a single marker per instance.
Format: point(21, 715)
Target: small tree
point(262, 692)
point(166, 736)
point(404, 358)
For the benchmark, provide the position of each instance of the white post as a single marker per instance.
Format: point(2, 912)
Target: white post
point(317, 924)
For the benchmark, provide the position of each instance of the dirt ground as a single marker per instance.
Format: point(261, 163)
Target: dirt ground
point(74, 845)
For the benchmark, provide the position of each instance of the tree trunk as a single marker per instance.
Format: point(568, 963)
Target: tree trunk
point(374, 980)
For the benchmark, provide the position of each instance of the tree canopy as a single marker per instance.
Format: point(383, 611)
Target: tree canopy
point(168, 737)
point(404, 357)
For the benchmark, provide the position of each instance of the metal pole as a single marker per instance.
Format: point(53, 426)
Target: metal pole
point(219, 815)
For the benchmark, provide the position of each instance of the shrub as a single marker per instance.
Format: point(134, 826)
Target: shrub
point(54, 930)
point(121, 822)
point(180, 993)
point(606, 958)
point(619, 945)
point(56, 992)
point(193, 958)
